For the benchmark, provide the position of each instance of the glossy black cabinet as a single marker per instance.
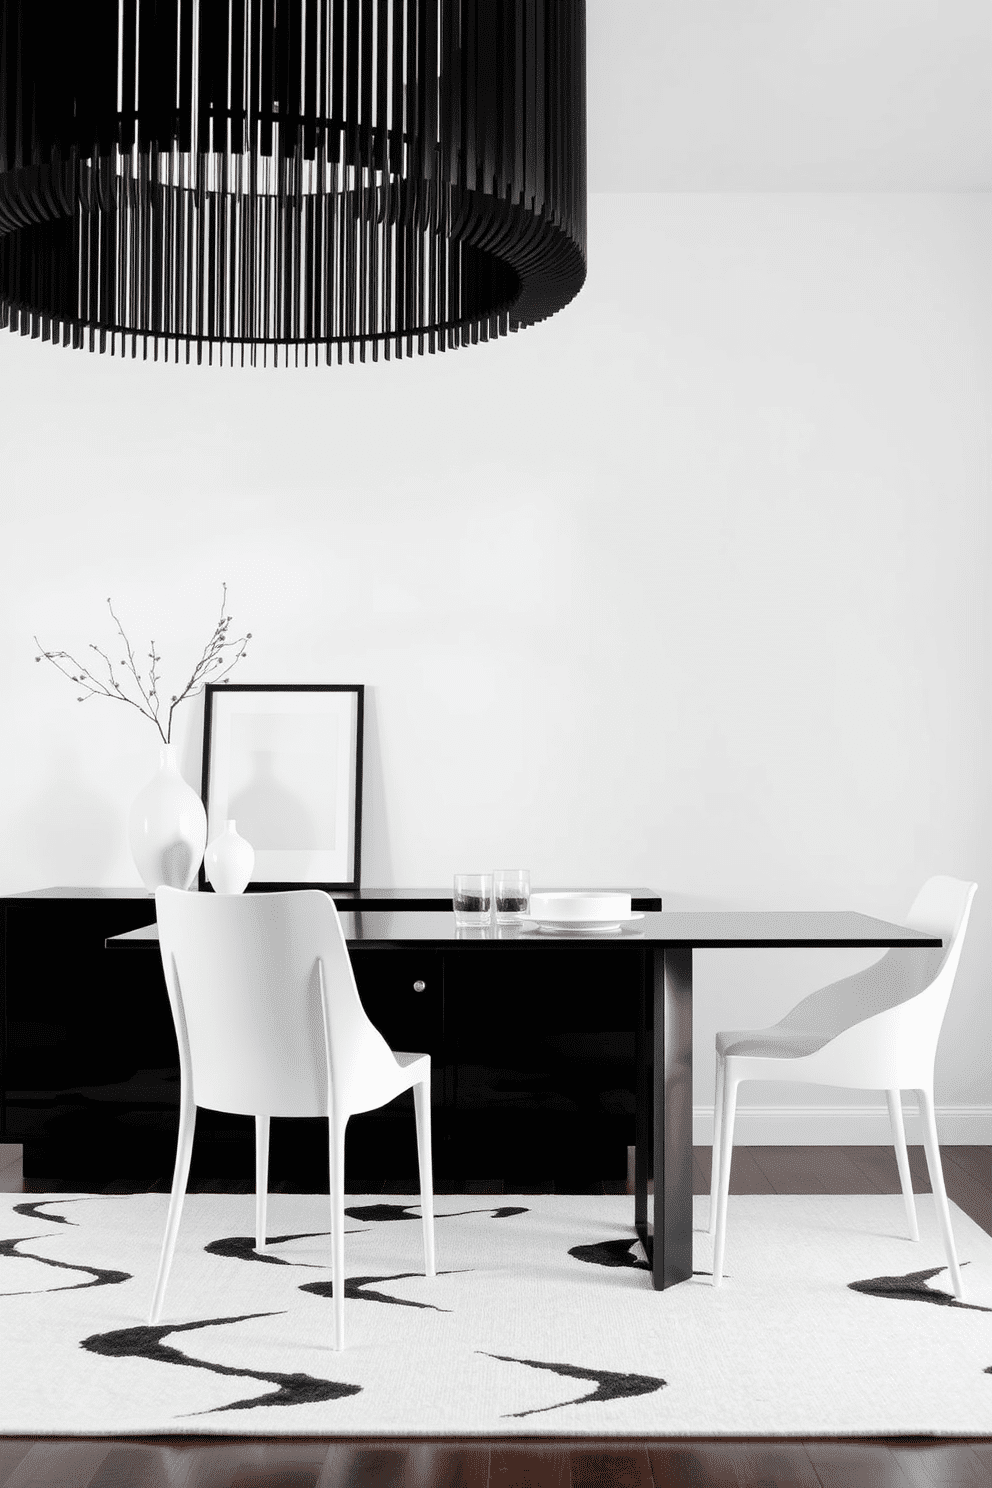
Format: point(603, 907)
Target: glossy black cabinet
point(533, 1071)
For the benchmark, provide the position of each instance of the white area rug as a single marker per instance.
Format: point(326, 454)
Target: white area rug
point(829, 1322)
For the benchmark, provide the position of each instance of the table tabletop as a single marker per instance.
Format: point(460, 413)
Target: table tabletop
point(667, 930)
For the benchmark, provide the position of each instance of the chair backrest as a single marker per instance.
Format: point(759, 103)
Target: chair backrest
point(942, 907)
point(244, 977)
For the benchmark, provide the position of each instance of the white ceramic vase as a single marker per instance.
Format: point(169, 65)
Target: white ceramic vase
point(228, 861)
point(167, 827)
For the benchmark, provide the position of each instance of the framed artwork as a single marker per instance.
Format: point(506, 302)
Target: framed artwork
point(285, 763)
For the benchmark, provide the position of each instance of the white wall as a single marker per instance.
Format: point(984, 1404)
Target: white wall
point(688, 587)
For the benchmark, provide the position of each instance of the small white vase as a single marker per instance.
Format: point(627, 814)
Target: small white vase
point(167, 827)
point(228, 861)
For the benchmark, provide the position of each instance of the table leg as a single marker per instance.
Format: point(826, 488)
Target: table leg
point(664, 1092)
point(644, 1103)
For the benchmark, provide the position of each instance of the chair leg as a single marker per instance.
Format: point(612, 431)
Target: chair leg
point(422, 1112)
point(336, 1130)
point(180, 1177)
point(730, 1084)
point(717, 1118)
point(261, 1178)
point(894, 1098)
point(939, 1192)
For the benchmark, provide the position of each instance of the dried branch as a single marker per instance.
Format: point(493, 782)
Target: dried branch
point(216, 661)
point(129, 662)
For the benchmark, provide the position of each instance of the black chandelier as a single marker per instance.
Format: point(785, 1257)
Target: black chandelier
point(289, 179)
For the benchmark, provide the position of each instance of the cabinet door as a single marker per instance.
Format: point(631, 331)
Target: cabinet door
point(542, 1043)
point(90, 1073)
point(403, 993)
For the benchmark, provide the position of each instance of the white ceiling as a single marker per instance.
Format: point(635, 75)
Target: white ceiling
point(790, 95)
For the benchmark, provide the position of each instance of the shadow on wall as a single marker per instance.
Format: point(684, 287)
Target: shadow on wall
point(377, 857)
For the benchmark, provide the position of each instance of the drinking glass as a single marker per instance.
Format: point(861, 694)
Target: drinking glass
point(473, 899)
point(511, 890)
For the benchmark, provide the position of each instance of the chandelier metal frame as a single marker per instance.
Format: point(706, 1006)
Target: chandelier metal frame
point(295, 180)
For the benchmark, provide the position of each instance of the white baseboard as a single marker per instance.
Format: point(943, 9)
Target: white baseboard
point(843, 1126)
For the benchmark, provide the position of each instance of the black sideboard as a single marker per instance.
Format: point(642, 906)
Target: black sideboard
point(533, 1073)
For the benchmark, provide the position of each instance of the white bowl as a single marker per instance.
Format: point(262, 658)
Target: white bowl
point(579, 906)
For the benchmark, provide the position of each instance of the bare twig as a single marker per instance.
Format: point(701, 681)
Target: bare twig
point(130, 664)
point(215, 661)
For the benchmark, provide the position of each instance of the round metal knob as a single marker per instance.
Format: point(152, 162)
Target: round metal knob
point(419, 986)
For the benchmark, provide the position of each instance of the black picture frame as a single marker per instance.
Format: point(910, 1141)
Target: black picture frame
point(239, 718)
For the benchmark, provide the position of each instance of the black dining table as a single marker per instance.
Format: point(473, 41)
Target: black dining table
point(663, 1122)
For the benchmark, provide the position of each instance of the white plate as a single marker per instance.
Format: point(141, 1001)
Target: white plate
point(601, 907)
point(584, 926)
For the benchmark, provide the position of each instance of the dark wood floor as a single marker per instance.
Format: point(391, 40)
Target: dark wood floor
point(558, 1462)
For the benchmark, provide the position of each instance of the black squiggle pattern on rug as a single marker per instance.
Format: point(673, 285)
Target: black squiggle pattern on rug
point(912, 1288)
point(32, 1210)
point(354, 1287)
point(146, 1343)
point(616, 1253)
point(610, 1253)
point(609, 1385)
point(384, 1212)
point(101, 1276)
point(242, 1248)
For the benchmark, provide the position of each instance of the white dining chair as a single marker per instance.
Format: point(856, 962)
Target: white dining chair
point(269, 1023)
point(876, 1030)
